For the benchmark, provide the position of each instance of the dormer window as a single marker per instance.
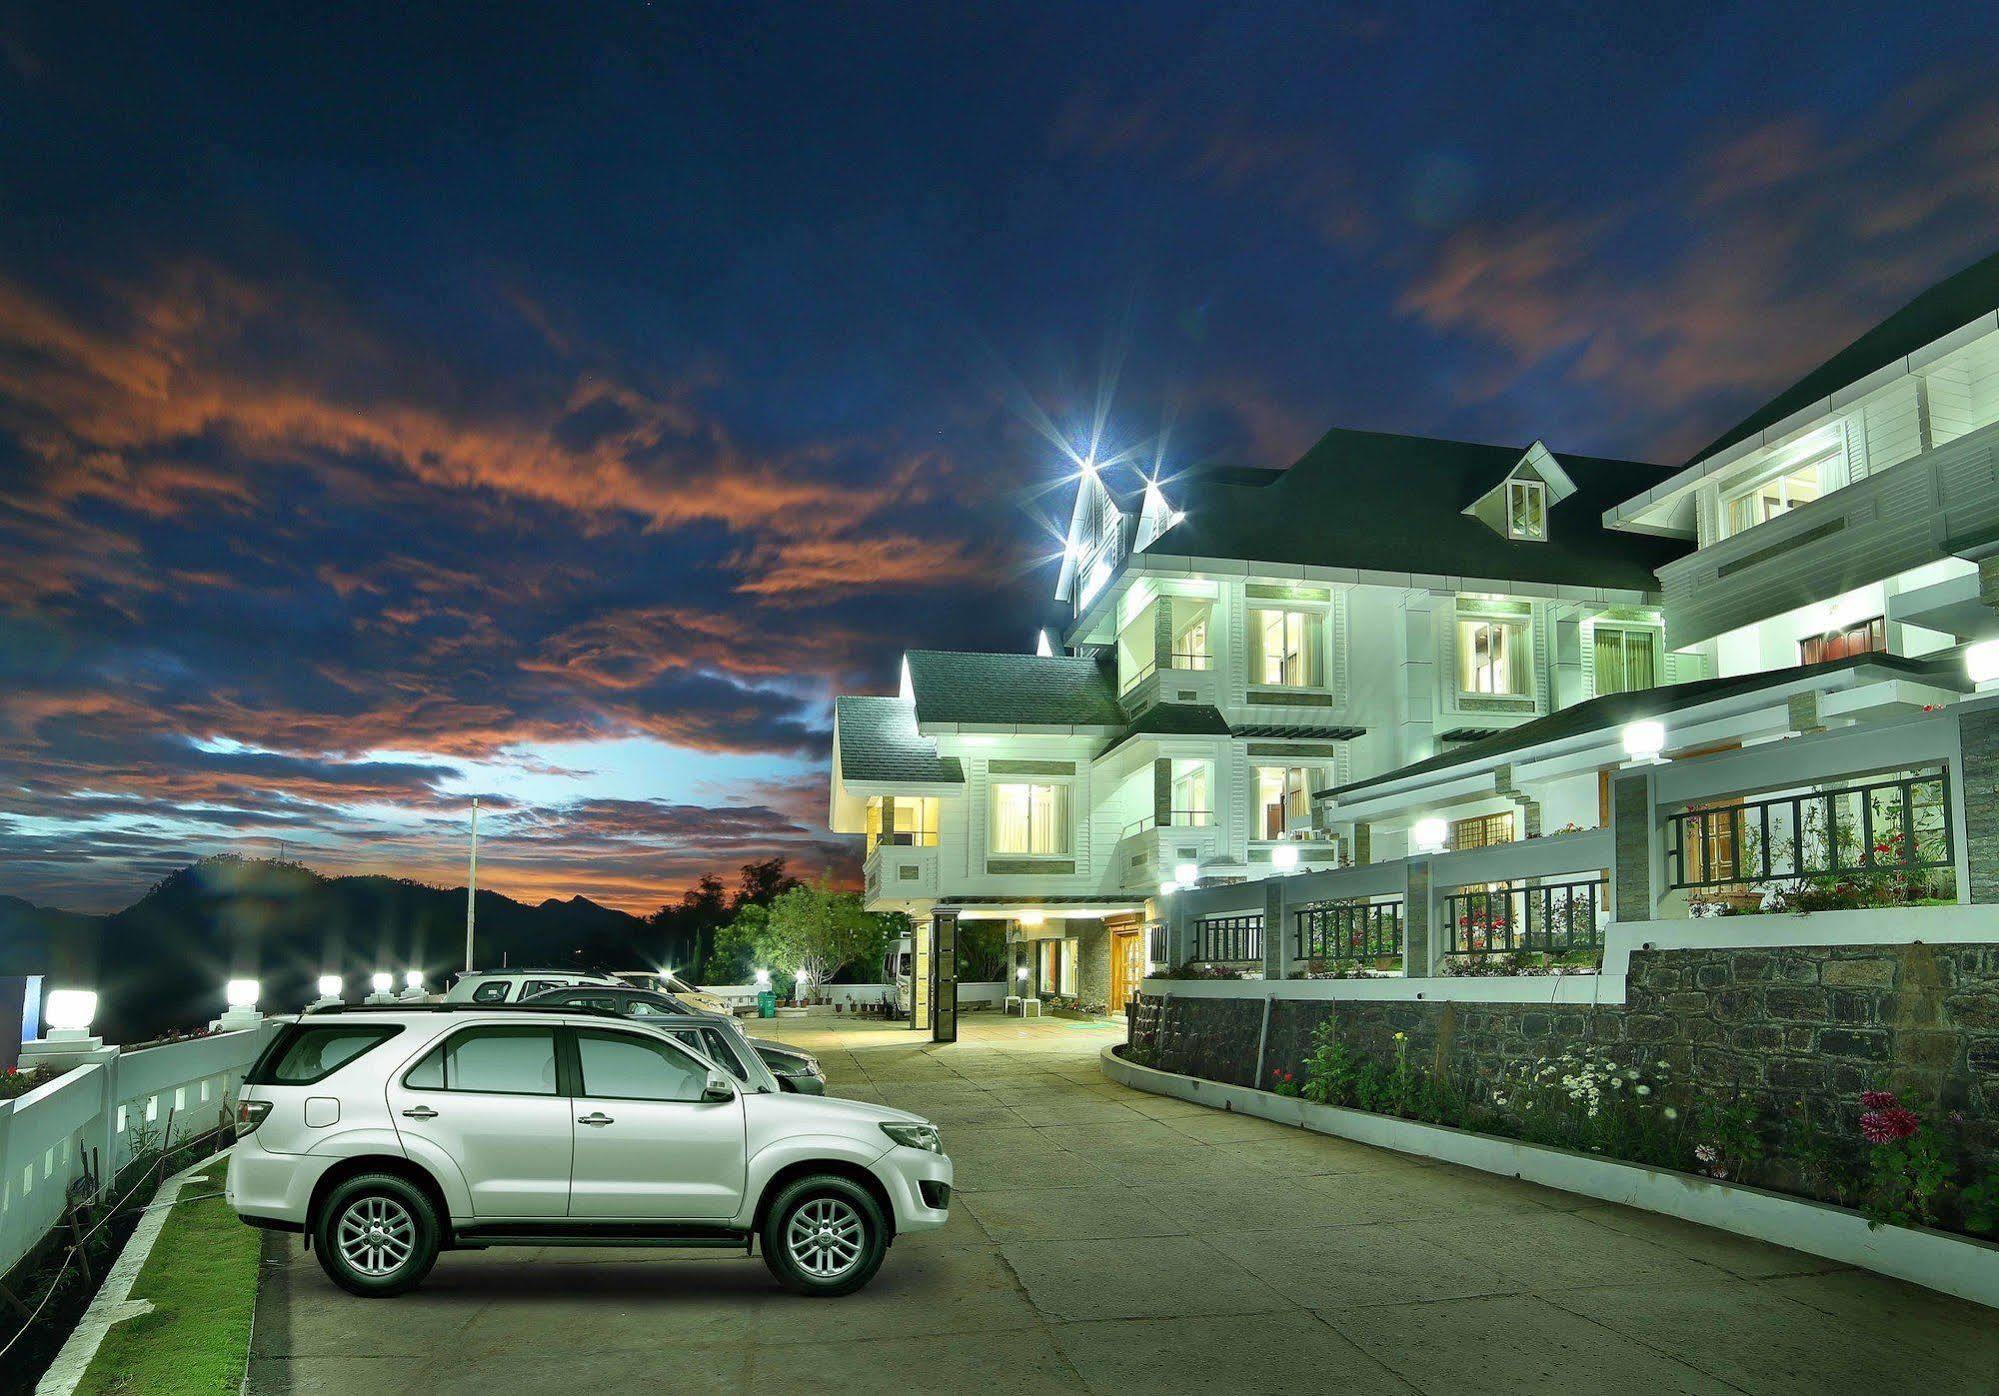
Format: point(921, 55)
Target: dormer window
point(1527, 510)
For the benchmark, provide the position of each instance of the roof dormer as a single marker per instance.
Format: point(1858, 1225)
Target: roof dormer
point(1517, 506)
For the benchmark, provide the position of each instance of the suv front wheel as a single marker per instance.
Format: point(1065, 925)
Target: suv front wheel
point(824, 1236)
point(376, 1235)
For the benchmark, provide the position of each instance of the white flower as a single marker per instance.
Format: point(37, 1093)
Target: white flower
point(1671, 1113)
point(1642, 1089)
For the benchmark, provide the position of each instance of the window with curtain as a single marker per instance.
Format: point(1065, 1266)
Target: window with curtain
point(1193, 803)
point(1067, 981)
point(1779, 494)
point(1286, 648)
point(1190, 646)
point(1624, 659)
point(1493, 657)
point(1030, 819)
point(906, 821)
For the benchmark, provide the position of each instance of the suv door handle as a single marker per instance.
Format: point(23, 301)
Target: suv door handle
point(420, 1112)
point(597, 1117)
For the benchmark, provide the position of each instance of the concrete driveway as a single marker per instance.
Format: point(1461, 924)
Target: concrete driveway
point(1108, 1240)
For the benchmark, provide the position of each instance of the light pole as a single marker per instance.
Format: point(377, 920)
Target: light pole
point(471, 885)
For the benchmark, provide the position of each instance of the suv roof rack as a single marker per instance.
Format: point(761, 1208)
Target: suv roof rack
point(534, 969)
point(463, 1006)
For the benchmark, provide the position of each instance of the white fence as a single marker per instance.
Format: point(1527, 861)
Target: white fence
point(116, 1105)
point(854, 996)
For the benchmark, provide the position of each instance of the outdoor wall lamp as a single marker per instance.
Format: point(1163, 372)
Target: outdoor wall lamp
point(1644, 741)
point(1168, 888)
point(1284, 857)
point(68, 1013)
point(329, 991)
point(241, 996)
point(1981, 662)
point(384, 985)
point(1186, 874)
point(1429, 835)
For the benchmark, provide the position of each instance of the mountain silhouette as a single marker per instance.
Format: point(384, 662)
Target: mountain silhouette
point(162, 962)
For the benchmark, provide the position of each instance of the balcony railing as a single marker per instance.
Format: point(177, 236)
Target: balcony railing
point(1226, 940)
point(1181, 660)
point(1550, 918)
point(1175, 819)
point(1349, 930)
point(1898, 826)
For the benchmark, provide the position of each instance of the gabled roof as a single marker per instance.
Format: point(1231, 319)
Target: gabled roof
point(1613, 710)
point(1391, 503)
point(1173, 720)
point(878, 741)
point(1028, 689)
point(1949, 305)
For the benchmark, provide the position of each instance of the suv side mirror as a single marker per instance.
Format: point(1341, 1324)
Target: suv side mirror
point(718, 1090)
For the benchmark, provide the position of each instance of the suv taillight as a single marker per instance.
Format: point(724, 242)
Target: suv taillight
point(250, 1114)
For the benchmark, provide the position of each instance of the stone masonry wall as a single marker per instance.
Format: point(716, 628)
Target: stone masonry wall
point(1808, 1027)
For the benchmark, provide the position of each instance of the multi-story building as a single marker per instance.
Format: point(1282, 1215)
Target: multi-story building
point(1261, 637)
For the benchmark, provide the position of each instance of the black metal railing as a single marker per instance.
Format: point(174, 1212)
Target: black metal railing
point(1348, 930)
point(1229, 939)
point(1553, 918)
point(1900, 825)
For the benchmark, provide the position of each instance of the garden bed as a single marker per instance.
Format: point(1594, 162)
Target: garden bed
point(1958, 1265)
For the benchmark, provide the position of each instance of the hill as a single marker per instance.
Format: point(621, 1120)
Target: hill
point(161, 963)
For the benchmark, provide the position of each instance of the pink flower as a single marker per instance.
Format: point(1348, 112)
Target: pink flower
point(1890, 1125)
point(1706, 1153)
point(1877, 1100)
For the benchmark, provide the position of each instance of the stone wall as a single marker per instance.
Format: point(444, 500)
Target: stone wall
point(1804, 1027)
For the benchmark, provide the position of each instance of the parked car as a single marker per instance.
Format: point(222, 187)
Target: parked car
point(791, 1068)
point(388, 1135)
point(512, 985)
point(664, 981)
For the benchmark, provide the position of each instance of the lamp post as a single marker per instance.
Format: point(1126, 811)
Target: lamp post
point(413, 987)
point(242, 1014)
point(329, 992)
point(384, 985)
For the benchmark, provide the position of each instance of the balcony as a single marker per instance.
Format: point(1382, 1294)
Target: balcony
point(1148, 851)
point(1187, 678)
point(897, 871)
point(1939, 504)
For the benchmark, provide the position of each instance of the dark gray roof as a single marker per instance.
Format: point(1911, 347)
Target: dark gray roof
point(1173, 720)
point(1616, 709)
point(1269, 730)
point(1056, 691)
point(879, 741)
point(1389, 503)
point(1950, 304)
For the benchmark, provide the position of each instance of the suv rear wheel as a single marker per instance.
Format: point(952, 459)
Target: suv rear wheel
point(376, 1235)
point(824, 1236)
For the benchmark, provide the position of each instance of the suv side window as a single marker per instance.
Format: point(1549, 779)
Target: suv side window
point(308, 1054)
point(492, 991)
point(531, 987)
point(606, 1002)
point(646, 1008)
point(493, 1060)
point(625, 1066)
point(715, 1045)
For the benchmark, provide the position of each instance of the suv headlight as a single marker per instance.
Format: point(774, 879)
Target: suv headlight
point(792, 1066)
point(914, 1136)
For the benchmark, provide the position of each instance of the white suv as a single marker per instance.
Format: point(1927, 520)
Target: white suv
point(495, 986)
point(389, 1134)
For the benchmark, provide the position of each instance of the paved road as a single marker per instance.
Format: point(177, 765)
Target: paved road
point(1109, 1240)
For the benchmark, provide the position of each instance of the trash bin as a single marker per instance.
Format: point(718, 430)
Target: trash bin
point(767, 1004)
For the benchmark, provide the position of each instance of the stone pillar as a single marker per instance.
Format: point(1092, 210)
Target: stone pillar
point(919, 976)
point(1632, 844)
point(1978, 775)
point(1276, 929)
point(944, 976)
point(1363, 844)
point(1178, 947)
point(1419, 956)
point(1162, 633)
point(1162, 794)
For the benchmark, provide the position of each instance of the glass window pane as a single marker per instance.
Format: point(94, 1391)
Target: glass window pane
point(620, 1067)
point(502, 1061)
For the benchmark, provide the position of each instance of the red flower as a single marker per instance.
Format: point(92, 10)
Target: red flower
point(1878, 1100)
point(1889, 1126)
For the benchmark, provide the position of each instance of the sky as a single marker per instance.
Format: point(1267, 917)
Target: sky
point(559, 404)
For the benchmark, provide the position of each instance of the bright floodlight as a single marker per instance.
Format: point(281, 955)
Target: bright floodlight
point(1032, 918)
point(241, 993)
point(70, 1010)
point(1186, 874)
point(413, 980)
point(1020, 973)
point(1981, 661)
point(1167, 889)
point(329, 986)
point(801, 976)
point(383, 981)
point(763, 979)
point(1429, 834)
point(1284, 857)
point(1643, 741)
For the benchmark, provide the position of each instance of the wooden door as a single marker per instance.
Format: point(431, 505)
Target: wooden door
point(1127, 967)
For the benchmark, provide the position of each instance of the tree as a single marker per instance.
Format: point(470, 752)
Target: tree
point(737, 946)
point(821, 933)
point(764, 882)
point(981, 951)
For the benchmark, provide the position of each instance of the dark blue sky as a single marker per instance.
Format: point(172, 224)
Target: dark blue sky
point(560, 402)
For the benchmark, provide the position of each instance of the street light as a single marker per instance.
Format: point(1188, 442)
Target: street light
point(329, 991)
point(1643, 741)
point(241, 993)
point(384, 985)
point(68, 1013)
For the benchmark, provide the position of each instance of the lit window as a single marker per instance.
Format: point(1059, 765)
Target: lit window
point(1192, 803)
point(903, 821)
point(1481, 831)
point(1623, 658)
point(1030, 819)
point(1492, 657)
point(1527, 510)
point(1283, 798)
point(1190, 646)
point(1777, 495)
point(1287, 648)
point(1867, 637)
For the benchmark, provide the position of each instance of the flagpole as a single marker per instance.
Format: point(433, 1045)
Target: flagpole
point(471, 884)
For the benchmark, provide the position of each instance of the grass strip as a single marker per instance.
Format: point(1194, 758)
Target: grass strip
point(202, 1280)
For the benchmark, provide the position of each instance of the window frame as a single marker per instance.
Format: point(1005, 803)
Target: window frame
point(569, 1060)
point(1485, 825)
point(1064, 817)
point(1651, 636)
point(1522, 634)
point(1728, 495)
point(263, 1072)
point(498, 1030)
point(1536, 493)
point(1310, 654)
point(1875, 627)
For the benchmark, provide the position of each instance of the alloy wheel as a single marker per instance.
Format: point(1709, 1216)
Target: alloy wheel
point(376, 1236)
point(825, 1238)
